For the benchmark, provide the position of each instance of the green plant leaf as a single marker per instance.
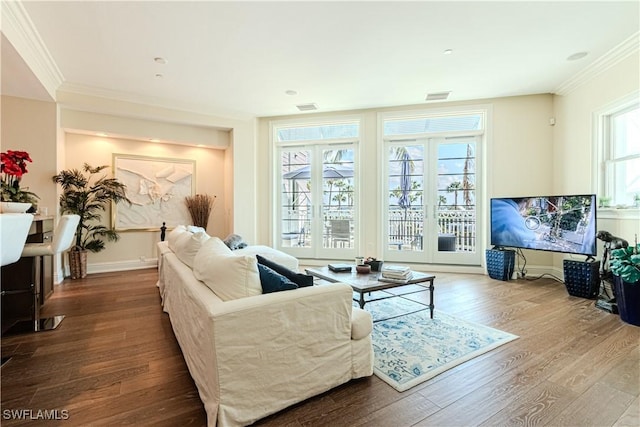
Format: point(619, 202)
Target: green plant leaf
point(89, 196)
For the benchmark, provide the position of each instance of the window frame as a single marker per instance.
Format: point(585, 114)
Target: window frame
point(354, 142)
point(483, 141)
point(604, 146)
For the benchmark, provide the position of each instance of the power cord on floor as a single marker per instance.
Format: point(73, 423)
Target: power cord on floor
point(522, 271)
point(544, 275)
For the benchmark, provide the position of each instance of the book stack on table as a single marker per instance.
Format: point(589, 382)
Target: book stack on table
point(338, 268)
point(396, 274)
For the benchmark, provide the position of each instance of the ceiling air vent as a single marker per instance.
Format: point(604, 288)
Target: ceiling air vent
point(307, 107)
point(437, 96)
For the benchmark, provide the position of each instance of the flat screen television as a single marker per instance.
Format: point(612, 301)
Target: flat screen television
point(565, 223)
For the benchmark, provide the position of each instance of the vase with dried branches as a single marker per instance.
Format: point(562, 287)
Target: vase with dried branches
point(200, 207)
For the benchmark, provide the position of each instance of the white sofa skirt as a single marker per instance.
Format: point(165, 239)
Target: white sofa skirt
point(254, 356)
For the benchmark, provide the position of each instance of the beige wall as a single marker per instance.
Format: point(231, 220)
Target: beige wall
point(142, 121)
point(524, 155)
point(144, 129)
point(517, 156)
point(573, 133)
point(226, 147)
point(31, 126)
point(127, 252)
point(574, 141)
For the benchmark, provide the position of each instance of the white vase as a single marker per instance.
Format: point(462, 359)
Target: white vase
point(14, 207)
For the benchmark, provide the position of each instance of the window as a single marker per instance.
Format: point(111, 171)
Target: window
point(432, 167)
point(317, 132)
point(317, 181)
point(621, 154)
point(434, 124)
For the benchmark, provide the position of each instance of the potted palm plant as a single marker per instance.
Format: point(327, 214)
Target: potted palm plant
point(88, 196)
point(625, 266)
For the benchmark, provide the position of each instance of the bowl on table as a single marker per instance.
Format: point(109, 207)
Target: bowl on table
point(363, 269)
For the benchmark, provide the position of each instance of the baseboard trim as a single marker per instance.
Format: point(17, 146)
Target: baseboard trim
point(108, 267)
point(111, 267)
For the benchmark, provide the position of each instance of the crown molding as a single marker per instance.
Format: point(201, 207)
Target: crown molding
point(22, 34)
point(628, 47)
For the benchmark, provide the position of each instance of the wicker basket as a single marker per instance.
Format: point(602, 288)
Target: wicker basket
point(78, 264)
point(500, 264)
point(582, 278)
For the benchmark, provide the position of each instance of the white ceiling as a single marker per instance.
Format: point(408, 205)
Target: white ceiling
point(239, 58)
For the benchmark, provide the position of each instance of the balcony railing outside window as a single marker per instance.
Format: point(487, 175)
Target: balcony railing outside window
point(406, 231)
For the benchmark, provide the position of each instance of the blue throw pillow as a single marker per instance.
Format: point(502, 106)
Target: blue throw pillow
point(301, 280)
point(274, 282)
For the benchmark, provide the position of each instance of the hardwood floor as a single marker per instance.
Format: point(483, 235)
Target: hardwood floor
point(114, 361)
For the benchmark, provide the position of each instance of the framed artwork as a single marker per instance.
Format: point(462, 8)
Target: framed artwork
point(157, 188)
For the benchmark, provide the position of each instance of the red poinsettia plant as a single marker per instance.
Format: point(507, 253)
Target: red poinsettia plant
point(14, 166)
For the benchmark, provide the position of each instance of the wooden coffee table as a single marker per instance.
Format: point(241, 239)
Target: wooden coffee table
point(363, 283)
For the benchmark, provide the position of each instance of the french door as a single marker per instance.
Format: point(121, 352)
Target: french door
point(317, 201)
point(432, 210)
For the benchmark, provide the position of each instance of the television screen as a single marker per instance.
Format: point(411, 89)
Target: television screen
point(549, 223)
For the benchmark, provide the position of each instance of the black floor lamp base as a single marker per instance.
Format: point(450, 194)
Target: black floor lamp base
point(40, 325)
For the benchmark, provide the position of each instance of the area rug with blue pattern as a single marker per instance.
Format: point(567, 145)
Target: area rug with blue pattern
point(412, 348)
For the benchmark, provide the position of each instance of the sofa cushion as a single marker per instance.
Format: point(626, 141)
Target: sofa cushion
point(274, 282)
point(188, 244)
point(271, 254)
point(361, 323)
point(195, 229)
point(301, 280)
point(228, 275)
point(174, 234)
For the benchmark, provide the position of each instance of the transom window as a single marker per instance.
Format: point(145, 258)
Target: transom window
point(318, 132)
point(434, 124)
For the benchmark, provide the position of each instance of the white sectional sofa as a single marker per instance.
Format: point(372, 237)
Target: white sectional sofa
point(251, 356)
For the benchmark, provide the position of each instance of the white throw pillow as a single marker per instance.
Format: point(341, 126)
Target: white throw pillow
point(271, 254)
point(188, 244)
point(228, 275)
point(174, 234)
point(195, 229)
